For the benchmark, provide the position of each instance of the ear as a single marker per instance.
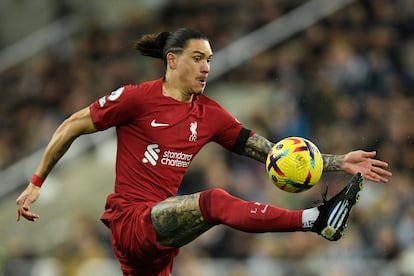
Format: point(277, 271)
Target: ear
point(171, 60)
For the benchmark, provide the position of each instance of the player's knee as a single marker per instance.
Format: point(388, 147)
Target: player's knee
point(216, 194)
point(212, 203)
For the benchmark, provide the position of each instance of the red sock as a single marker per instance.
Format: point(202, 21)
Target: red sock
point(219, 207)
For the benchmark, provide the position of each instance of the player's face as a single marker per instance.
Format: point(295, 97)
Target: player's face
point(193, 66)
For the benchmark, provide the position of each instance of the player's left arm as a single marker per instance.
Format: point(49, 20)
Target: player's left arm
point(258, 147)
point(358, 161)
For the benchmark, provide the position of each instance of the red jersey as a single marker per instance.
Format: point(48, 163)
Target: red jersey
point(158, 136)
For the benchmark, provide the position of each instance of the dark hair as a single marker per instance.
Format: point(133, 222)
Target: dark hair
point(159, 44)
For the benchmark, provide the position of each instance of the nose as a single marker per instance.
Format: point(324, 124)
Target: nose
point(205, 67)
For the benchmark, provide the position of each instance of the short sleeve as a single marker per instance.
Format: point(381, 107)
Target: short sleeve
point(228, 129)
point(114, 109)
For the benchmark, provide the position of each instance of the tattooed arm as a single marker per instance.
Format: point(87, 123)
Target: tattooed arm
point(332, 163)
point(257, 147)
point(79, 123)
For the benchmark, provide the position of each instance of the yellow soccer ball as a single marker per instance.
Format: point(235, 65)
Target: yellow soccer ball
point(294, 164)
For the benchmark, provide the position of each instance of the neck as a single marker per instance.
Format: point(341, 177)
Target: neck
point(175, 92)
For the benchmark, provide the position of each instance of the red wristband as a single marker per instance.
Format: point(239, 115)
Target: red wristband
point(37, 180)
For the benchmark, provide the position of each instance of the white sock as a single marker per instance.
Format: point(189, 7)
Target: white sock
point(308, 218)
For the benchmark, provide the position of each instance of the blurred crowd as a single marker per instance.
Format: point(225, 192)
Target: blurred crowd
point(346, 83)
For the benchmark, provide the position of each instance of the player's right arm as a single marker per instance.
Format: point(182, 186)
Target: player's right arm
point(76, 125)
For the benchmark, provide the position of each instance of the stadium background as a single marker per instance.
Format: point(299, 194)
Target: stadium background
point(344, 81)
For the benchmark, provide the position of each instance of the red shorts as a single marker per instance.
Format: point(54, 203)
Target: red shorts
point(134, 239)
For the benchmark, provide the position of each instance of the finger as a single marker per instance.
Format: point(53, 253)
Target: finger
point(24, 210)
point(372, 176)
point(30, 216)
point(18, 214)
point(369, 177)
point(379, 163)
point(382, 179)
point(19, 201)
point(369, 154)
point(381, 171)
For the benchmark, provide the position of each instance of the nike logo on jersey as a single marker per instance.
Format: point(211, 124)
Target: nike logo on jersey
point(155, 124)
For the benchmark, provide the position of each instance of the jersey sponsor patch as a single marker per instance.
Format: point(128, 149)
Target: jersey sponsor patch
point(168, 158)
point(102, 101)
point(112, 97)
point(151, 154)
point(116, 94)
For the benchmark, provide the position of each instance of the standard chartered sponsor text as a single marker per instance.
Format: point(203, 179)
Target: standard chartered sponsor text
point(176, 159)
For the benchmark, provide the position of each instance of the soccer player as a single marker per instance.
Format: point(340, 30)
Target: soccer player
point(161, 125)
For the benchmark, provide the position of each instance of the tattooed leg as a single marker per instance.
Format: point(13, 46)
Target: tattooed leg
point(178, 220)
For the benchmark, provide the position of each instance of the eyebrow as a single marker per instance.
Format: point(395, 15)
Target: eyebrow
point(201, 53)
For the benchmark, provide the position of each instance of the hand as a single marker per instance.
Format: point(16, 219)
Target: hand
point(363, 162)
point(26, 198)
